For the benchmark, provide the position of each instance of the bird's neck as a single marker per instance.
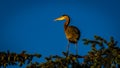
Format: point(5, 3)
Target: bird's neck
point(66, 23)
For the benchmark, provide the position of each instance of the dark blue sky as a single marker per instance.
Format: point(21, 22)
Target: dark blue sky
point(29, 24)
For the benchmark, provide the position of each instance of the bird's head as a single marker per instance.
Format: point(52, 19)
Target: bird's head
point(63, 17)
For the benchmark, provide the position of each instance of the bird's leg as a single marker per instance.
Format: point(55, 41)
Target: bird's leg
point(68, 47)
point(76, 46)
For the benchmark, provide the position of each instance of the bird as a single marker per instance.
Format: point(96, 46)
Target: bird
point(72, 32)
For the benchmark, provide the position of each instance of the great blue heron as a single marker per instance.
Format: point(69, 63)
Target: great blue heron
point(72, 33)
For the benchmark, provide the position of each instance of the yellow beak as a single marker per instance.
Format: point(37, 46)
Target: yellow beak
point(59, 19)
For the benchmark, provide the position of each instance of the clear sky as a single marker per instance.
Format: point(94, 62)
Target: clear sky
point(29, 24)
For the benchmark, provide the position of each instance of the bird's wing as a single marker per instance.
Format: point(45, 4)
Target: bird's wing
point(74, 29)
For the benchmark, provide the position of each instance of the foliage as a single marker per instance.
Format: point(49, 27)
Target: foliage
point(103, 54)
point(108, 56)
point(7, 58)
point(59, 62)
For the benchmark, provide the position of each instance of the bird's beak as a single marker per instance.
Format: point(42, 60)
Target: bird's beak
point(55, 20)
point(60, 18)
